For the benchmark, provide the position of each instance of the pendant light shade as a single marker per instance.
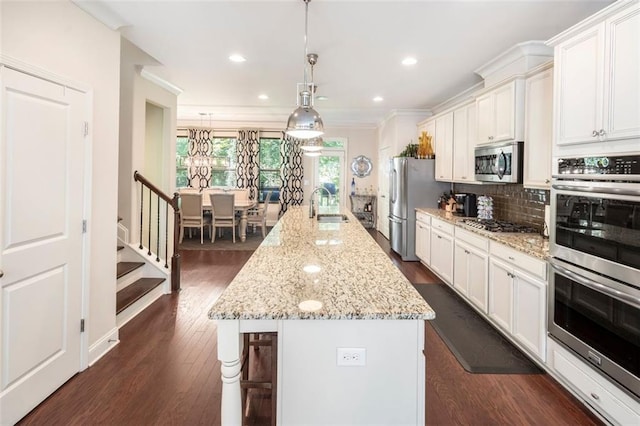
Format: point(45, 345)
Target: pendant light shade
point(312, 145)
point(305, 122)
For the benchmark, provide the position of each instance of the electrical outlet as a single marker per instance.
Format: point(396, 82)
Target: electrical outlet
point(349, 357)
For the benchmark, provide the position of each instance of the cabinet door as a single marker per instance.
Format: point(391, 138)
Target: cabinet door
point(461, 267)
point(444, 147)
point(442, 255)
point(622, 68)
point(529, 323)
point(538, 130)
point(504, 112)
point(384, 155)
point(501, 294)
point(484, 118)
point(579, 86)
point(478, 278)
point(423, 235)
point(463, 143)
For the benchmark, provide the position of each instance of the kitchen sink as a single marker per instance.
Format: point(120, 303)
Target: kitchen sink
point(332, 217)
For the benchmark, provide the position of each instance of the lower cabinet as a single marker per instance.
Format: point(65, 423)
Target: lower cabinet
point(517, 303)
point(442, 255)
point(423, 239)
point(470, 273)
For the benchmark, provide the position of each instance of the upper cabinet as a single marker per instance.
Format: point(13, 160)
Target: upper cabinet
point(538, 130)
point(464, 131)
point(444, 147)
point(500, 113)
point(597, 83)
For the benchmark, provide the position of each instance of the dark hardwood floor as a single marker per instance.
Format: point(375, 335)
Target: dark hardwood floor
point(165, 371)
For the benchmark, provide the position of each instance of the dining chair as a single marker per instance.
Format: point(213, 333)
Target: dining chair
point(223, 212)
point(242, 194)
point(191, 215)
point(258, 216)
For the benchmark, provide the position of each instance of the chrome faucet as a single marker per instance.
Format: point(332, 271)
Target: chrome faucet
point(312, 211)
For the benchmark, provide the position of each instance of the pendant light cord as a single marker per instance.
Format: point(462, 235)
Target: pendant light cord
point(306, 25)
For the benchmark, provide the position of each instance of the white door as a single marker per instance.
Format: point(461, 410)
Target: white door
point(329, 173)
point(485, 111)
point(478, 271)
point(505, 105)
point(538, 128)
point(461, 268)
point(501, 294)
point(384, 155)
point(41, 241)
point(529, 323)
point(444, 147)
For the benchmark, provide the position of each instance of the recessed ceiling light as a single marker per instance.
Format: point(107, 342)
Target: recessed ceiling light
point(378, 99)
point(321, 98)
point(237, 58)
point(263, 97)
point(409, 61)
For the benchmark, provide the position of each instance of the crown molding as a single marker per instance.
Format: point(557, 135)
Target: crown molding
point(102, 12)
point(147, 75)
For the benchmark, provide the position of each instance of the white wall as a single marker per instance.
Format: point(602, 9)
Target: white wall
point(62, 39)
point(136, 93)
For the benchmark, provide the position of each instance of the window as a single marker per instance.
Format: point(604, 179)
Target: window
point(182, 153)
point(269, 165)
point(223, 169)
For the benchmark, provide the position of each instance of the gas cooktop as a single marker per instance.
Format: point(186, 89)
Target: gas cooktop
point(499, 226)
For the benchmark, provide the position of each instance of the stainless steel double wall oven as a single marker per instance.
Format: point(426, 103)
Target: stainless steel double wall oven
point(594, 297)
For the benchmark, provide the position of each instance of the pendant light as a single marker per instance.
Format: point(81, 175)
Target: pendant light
point(305, 122)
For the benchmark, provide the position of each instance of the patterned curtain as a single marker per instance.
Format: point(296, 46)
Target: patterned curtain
point(247, 168)
point(291, 173)
point(199, 173)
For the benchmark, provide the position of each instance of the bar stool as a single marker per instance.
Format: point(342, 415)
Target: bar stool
point(259, 339)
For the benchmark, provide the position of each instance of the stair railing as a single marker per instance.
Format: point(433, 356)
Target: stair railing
point(162, 202)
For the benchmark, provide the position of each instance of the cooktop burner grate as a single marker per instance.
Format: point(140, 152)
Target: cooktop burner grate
point(499, 226)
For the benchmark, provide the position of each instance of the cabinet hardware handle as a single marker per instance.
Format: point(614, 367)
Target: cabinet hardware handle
point(601, 132)
point(490, 138)
point(1, 273)
point(439, 237)
point(595, 396)
point(594, 134)
point(467, 251)
point(464, 177)
point(547, 181)
point(511, 258)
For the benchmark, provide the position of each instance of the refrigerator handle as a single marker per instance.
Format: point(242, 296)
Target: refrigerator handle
point(394, 180)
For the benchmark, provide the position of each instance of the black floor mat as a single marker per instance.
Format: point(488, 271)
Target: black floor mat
point(475, 343)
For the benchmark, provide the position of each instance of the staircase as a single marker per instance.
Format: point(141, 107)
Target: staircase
point(139, 283)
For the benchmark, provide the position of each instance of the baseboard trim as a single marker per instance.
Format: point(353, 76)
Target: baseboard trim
point(103, 345)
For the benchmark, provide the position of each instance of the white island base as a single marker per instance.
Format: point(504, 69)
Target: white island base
point(313, 390)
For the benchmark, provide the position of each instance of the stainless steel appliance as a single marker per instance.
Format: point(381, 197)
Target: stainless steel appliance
point(499, 162)
point(594, 282)
point(411, 185)
point(466, 205)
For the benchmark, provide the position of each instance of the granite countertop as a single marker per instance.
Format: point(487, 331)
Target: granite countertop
point(310, 270)
point(531, 244)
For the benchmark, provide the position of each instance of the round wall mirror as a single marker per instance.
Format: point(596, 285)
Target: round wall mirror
point(361, 166)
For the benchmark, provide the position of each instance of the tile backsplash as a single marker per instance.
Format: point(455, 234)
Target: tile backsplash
point(513, 202)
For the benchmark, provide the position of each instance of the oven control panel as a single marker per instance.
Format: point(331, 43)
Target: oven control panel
point(602, 165)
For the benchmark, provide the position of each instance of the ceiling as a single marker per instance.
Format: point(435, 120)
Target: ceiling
point(360, 45)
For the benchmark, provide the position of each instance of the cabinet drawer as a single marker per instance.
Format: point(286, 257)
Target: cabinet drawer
point(593, 393)
point(472, 239)
point(443, 226)
point(423, 217)
point(519, 259)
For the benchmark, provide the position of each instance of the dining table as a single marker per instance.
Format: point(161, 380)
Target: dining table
point(242, 206)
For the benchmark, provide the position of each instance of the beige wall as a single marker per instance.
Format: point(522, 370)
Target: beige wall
point(62, 39)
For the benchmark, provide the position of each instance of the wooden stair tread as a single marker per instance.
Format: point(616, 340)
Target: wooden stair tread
point(125, 267)
point(128, 295)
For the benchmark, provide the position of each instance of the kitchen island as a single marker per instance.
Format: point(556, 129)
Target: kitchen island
point(322, 287)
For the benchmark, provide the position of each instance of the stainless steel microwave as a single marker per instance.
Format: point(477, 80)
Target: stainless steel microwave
point(499, 162)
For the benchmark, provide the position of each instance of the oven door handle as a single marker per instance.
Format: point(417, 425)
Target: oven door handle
point(623, 297)
point(614, 191)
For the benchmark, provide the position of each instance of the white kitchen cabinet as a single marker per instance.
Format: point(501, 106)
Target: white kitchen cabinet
point(501, 294)
point(464, 141)
point(470, 276)
point(444, 147)
point(423, 238)
point(599, 393)
point(597, 89)
point(500, 113)
point(517, 297)
point(538, 130)
point(442, 249)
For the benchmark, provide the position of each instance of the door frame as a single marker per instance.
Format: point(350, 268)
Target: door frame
point(26, 68)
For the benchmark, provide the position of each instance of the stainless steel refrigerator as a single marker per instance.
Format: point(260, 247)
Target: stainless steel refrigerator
point(412, 184)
